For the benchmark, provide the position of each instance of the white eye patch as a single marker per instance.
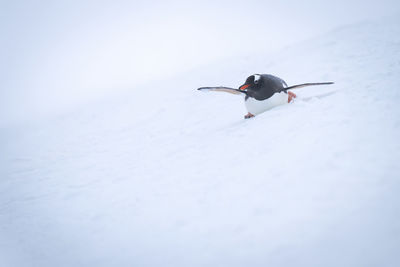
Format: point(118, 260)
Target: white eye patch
point(257, 77)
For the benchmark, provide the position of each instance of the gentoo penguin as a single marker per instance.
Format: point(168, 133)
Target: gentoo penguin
point(263, 92)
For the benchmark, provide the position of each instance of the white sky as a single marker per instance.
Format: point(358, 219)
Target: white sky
point(58, 53)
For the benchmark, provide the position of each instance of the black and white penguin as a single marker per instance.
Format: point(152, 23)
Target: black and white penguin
point(263, 92)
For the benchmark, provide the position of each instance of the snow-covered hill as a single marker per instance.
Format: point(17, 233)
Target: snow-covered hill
point(165, 175)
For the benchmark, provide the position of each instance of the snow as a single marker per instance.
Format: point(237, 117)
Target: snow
point(165, 175)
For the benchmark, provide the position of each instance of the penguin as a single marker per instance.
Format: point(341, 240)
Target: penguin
point(263, 92)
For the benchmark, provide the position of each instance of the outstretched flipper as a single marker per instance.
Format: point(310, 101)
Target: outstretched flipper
point(223, 89)
point(306, 84)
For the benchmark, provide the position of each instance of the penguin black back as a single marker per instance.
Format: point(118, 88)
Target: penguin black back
point(263, 86)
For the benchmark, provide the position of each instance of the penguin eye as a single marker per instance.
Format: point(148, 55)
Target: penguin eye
point(250, 80)
point(256, 78)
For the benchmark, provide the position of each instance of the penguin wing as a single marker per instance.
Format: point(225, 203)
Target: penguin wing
point(223, 89)
point(306, 84)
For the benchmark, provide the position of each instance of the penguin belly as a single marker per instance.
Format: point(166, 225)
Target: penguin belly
point(255, 106)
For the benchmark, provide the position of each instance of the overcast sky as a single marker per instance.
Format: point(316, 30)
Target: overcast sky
point(57, 53)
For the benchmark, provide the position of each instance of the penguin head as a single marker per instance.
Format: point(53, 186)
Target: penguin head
point(252, 82)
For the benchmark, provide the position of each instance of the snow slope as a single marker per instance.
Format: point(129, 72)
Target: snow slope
point(165, 175)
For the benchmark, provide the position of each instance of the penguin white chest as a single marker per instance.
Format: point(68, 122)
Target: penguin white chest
point(255, 106)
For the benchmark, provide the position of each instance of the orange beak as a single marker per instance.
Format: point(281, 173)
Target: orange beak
point(244, 87)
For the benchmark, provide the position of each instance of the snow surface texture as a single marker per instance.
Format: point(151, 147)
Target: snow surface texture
point(169, 176)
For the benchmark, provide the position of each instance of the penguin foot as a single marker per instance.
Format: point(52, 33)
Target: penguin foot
point(248, 116)
point(291, 96)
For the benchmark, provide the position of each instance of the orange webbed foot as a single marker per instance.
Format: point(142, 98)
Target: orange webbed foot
point(291, 96)
point(248, 116)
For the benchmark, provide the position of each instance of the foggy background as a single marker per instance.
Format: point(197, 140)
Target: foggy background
point(56, 55)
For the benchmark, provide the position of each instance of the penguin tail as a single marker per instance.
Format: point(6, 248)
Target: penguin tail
point(306, 84)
